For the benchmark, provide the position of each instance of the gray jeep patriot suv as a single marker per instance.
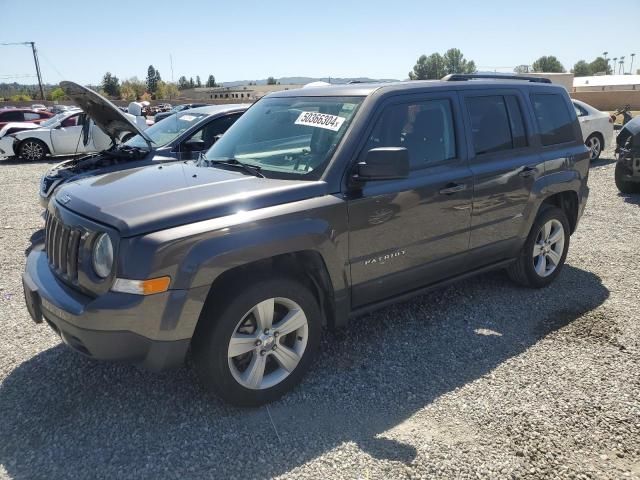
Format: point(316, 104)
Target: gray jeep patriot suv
point(316, 205)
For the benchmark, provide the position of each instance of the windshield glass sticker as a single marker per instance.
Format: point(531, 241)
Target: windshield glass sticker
point(320, 120)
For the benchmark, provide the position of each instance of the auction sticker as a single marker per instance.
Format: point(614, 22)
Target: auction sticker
point(320, 120)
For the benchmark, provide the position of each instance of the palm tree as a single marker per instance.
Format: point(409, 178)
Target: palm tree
point(631, 68)
point(621, 70)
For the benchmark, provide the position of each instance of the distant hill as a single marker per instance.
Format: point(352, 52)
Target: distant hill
point(305, 80)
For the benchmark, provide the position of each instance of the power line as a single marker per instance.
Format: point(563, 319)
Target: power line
point(35, 60)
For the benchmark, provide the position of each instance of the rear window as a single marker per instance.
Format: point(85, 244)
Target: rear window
point(553, 117)
point(11, 116)
point(496, 123)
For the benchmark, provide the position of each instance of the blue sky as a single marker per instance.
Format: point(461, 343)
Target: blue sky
point(236, 40)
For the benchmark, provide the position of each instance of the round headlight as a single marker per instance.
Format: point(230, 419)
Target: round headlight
point(103, 255)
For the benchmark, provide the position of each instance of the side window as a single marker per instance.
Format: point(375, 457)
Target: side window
point(71, 121)
point(580, 112)
point(209, 132)
point(425, 129)
point(28, 116)
point(12, 117)
point(553, 118)
point(490, 126)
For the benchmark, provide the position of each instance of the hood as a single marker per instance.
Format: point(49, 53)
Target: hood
point(109, 118)
point(146, 199)
point(18, 126)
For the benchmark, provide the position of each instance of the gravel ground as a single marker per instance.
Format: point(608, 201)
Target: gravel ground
point(478, 380)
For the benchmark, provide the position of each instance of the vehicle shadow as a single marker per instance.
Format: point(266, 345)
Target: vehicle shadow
point(633, 199)
point(602, 162)
point(64, 415)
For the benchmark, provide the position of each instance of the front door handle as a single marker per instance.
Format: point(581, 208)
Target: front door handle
point(528, 171)
point(451, 188)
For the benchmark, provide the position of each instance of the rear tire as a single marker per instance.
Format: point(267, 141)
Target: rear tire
point(253, 346)
point(623, 185)
point(543, 254)
point(594, 144)
point(32, 150)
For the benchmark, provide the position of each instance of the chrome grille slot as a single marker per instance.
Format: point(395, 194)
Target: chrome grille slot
point(62, 245)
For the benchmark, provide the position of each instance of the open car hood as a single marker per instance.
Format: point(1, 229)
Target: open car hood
point(109, 118)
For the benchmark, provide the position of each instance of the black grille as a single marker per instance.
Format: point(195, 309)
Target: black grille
point(62, 244)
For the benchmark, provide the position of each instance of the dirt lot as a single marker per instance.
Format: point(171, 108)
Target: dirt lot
point(478, 380)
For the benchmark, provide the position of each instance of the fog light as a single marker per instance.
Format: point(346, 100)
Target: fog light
point(141, 287)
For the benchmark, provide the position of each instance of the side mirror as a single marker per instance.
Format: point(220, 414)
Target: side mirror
point(193, 145)
point(386, 163)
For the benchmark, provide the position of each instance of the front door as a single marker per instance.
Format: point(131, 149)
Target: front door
point(67, 138)
point(404, 234)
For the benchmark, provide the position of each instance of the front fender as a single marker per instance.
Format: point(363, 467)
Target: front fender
point(195, 255)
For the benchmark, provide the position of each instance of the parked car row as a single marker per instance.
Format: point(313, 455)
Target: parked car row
point(316, 205)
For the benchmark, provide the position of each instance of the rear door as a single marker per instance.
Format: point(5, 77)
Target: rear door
point(404, 234)
point(505, 162)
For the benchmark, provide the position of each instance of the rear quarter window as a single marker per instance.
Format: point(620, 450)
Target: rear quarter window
point(553, 117)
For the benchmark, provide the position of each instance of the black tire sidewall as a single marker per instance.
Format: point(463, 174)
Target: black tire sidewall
point(32, 140)
point(211, 341)
point(551, 213)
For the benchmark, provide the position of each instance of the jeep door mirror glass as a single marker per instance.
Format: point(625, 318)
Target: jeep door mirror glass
point(385, 163)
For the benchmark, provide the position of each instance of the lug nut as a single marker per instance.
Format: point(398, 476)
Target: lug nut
point(275, 347)
point(276, 334)
point(258, 343)
point(266, 331)
point(263, 353)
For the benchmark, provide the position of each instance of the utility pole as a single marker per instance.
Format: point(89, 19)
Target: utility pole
point(35, 59)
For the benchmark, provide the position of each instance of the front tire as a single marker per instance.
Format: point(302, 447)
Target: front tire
point(594, 144)
point(256, 344)
point(32, 150)
point(625, 186)
point(544, 252)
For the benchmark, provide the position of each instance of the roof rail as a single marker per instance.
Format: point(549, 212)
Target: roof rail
point(459, 77)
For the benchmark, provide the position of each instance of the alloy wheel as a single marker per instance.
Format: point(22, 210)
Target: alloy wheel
point(595, 147)
point(32, 151)
point(548, 248)
point(268, 343)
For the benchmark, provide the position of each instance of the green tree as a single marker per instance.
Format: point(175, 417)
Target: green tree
point(600, 65)
point(57, 94)
point(172, 90)
point(183, 83)
point(152, 79)
point(581, 69)
point(21, 97)
point(161, 91)
point(111, 85)
point(211, 81)
point(198, 82)
point(454, 62)
point(271, 81)
point(548, 64)
point(428, 68)
point(133, 89)
point(522, 69)
point(192, 84)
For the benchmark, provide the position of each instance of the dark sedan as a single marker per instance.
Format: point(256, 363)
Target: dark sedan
point(22, 115)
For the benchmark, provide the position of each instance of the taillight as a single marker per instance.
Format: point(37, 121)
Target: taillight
point(612, 118)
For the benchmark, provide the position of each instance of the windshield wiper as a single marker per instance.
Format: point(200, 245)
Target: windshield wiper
point(234, 162)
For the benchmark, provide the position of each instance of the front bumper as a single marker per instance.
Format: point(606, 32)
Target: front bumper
point(6, 147)
point(153, 330)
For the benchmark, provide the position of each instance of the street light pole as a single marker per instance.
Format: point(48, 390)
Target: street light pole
point(606, 70)
point(35, 59)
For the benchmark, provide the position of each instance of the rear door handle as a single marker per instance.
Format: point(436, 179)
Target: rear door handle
point(451, 188)
point(528, 171)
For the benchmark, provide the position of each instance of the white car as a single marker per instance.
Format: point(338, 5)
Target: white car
point(69, 133)
point(597, 127)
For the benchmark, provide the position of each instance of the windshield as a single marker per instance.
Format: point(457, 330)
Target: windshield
point(291, 135)
point(167, 129)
